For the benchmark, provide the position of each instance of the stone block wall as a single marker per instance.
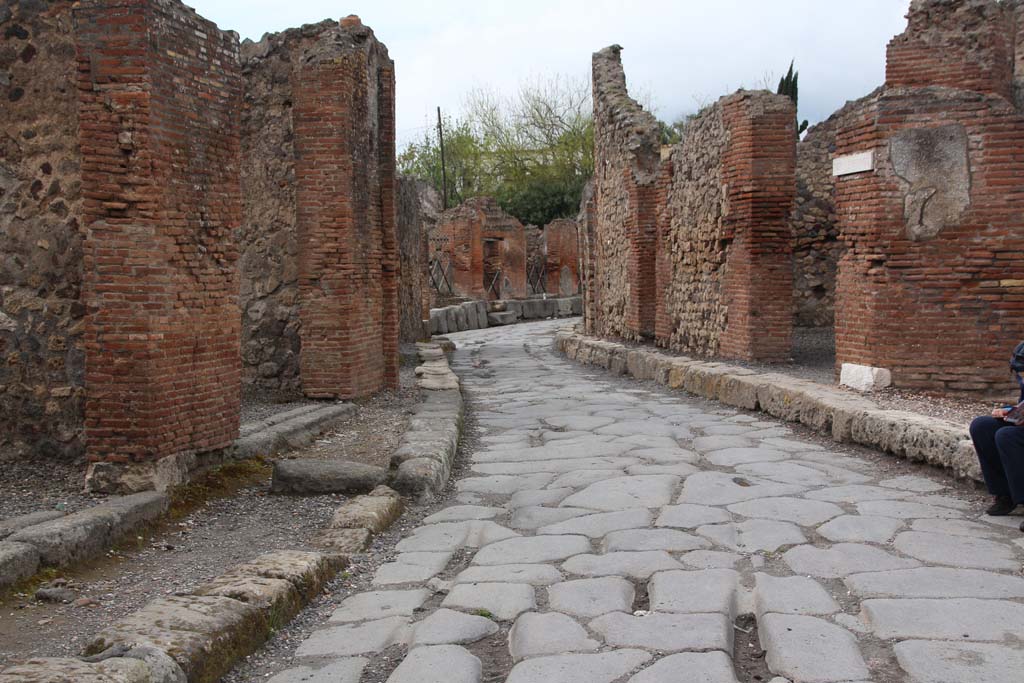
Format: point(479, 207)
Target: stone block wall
point(467, 230)
point(419, 209)
point(561, 257)
point(695, 252)
point(42, 356)
point(159, 89)
point(348, 256)
point(930, 285)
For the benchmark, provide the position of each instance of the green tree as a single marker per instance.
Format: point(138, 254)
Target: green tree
point(789, 85)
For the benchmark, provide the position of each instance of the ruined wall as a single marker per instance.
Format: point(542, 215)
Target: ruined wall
point(42, 359)
point(693, 252)
point(724, 268)
point(159, 91)
point(466, 229)
point(534, 258)
point(561, 257)
point(418, 209)
point(586, 226)
point(348, 259)
point(930, 284)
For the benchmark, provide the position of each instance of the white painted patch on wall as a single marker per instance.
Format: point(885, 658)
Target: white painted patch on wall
point(864, 377)
point(853, 163)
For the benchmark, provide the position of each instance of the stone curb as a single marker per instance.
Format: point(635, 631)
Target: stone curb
point(847, 418)
point(475, 315)
point(76, 537)
point(357, 521)
point(197, 637)
point(289, 430)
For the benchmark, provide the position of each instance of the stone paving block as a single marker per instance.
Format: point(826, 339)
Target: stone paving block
point(709, 444)
point(637, 565)
point(624, 493)
point(957, 551)
point(505, 601)
point(597, 525)
point(18, 561)
point(720, 488)
point(454, 535)
point(609, 467)
point(462, 513)
point(670, 540)
point(855, 493)
point(591, 597)
point(69, 670)
point(785, 509)
point(731, 457)
point(578, 422)
point(791, 595)
point(537, 516)
point(936, 582)
point(810, 650)
point(533, 574)
point(535, 634)
point(666, 455)
point(604, 667)
point(700, 667)
point(448, 627)
point(438, 664)
point(379, 605)
point(687, 516)
point(356, 639)
point(411, 568)
point(710, 559)
point(533, 550)
point(843, 559)
point(754, 535)
point(675, 469)
point(909, 482)
point(906, 510)
point(861, 529)
point(708, 590)
point(504, 484)
point(346, 670)
point(581, 478)
point(958, 662)
point(666, 632)
point(944, 619)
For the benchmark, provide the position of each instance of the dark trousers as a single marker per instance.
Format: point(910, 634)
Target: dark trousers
point(1000, 447)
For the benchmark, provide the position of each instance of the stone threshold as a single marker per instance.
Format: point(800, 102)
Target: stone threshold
point(479, 315)
point(846, 418)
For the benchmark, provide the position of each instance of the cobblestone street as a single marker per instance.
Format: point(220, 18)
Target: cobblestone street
point(611, 532)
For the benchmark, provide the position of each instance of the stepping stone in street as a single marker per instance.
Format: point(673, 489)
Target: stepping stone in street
point(597, 525)
point(700, 667)
point(533, 574)
point(791, 595)
point(505, 601)
point(783, 509)
point(637, 565)
point(708, 590)
point(842, 559)
point(438, 664)
point(623, 493)
point(592, 597)
point(936, 582)
point(379, 605)
point(355, 639)
point(959, 662)
point(957, 551)
point(804, 648)
point(861, 529)
point(550, 633)
point(448, 627)
point(533, 550)
point(604, 667)
point(669, 540)
point(688, 516)
point(731, 457)
point(666, 632)
point(944, 619)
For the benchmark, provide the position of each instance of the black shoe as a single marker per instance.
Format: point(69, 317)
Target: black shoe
point(1002, 506)
point(1022, 526)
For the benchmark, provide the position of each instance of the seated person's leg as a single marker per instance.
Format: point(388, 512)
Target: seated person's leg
point(1010, 443)
point(983, 434)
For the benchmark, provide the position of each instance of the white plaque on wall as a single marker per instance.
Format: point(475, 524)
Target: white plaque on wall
point(853, 163)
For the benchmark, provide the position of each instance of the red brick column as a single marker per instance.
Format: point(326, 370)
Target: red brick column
point(159, 95)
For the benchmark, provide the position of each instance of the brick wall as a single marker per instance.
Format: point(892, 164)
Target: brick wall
point(931, 285)
point(561, 257)
point(419, 208)
point(159, 91)
point(42, 359)
point(466, 229)
point(586, 222)
point(348, 260)
point(694, 252)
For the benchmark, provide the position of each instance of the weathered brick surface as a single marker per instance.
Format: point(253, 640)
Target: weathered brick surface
point(560, 244)
point(482, 240)
point(419, 209)
point(930, 285)
point(348, 260)
point(159, 91)
point(693, 252)
point(42, 358)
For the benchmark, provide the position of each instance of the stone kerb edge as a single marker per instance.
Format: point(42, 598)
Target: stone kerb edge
point(845, 417)
point(473, 315)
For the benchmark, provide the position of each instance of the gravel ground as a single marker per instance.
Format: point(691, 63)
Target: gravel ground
point(30, 486)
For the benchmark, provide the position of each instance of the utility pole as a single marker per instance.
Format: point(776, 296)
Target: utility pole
point(444, 170)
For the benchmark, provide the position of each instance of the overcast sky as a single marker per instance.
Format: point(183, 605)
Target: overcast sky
point(680, 53)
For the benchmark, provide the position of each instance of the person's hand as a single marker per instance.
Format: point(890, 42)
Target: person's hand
point(999, 413)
